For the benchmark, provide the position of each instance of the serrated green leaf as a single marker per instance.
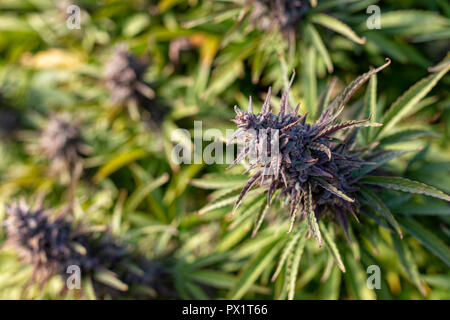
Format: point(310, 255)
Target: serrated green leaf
point(406, 185)
point(331, 245)
point(319, 46)
point(343, 97)
point(260, 217)
point(233, 237)
point(294, 238)
point(424, 209)
point(220, 182)
point(248, 210)
point(311, 217)
point(228, 199)
point(405, 135)
point(370, 101)
point(293, 269)
point(409, 99)
point(309, 79)
point(256, 244)
point(397, 49)
point(382, 208)
point(380, 159)
point(337, 26)
point(253, 270)
point(325, 98)
point(414, 22)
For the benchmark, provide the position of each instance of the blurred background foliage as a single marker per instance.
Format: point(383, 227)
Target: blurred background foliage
point(202, 58)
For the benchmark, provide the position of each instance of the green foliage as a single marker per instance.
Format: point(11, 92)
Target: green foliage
point(195, 60)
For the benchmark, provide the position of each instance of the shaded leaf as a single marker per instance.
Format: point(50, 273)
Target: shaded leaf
point(408, 262)
point(319, 46)
point(382, 208)
point(427, 238)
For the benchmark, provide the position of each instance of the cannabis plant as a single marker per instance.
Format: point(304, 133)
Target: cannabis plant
point(258, 33)
point(323, 175)
point(124, 79)
point(133, 223)
point(283, 15)
point(63, 146)
point(53, 244)
point(123, 75)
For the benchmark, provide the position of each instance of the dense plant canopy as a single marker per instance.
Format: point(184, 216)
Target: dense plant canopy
point(92, 117)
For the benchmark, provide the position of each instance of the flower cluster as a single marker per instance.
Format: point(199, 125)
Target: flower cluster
point(123, 77)
point(124, 74)
point(310, 167)
point(51, 244)
point(62, 144)
point(282, 14)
